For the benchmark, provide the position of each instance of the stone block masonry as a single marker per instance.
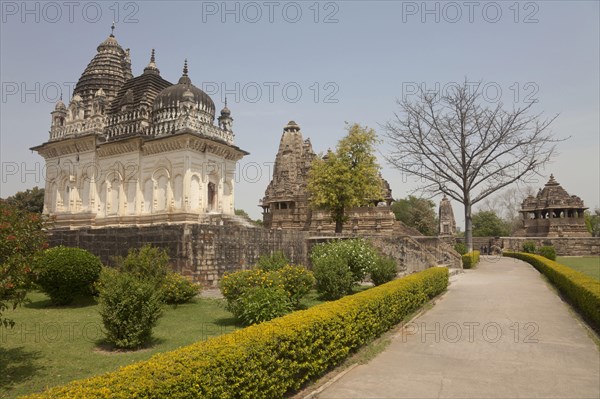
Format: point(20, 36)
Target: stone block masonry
point(202, 251)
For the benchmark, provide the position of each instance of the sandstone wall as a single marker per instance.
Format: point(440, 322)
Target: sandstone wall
point(204, 252)
point(564, 246)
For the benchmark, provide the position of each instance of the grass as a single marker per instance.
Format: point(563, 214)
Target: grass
point(589, 265)
point(51, 346)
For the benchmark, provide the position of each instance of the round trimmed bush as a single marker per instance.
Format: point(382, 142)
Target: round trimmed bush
point(384, 270)
point(178, 289)
point(129, 307)
point(358, 254)
point(334, 278)
point(259, 304)
point(65, 273)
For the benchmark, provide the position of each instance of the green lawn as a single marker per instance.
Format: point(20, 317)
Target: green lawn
point(589, 265)
point(50, 346)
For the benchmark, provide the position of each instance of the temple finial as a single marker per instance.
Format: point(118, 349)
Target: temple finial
point(112, 29)
point(152, 56)
point(225, 101)
point(185, 68)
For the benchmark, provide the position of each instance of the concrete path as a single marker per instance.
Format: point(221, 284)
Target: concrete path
point(499, 332)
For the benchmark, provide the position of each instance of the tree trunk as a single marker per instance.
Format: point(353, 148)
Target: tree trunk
point(468, 227)
point(339, 220)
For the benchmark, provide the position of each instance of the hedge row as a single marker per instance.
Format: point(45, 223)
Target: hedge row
point(582, 291)
point(269, 359)
point(470, 259)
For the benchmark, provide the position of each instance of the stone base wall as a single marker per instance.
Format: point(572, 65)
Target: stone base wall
point(564, 246)
point(202, 251)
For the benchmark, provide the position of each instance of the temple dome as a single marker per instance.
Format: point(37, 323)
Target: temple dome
point(184, 90)
point(108, 70)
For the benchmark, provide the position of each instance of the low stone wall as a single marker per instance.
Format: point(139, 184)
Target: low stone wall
point(203, 251)
point(564, 246)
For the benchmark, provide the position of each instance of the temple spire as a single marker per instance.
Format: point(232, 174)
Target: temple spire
point(151, 68)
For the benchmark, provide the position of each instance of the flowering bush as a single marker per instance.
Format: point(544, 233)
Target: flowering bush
point(359, 255)
point(178, 289)
point(65, 273)
point(294, 281)
point(21, 238)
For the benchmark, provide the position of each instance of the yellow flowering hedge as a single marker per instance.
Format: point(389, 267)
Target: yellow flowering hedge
point(470, 259)
point(581, 290)
point(269, 359)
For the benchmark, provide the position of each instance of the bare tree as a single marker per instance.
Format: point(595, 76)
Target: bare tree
point(458, 145)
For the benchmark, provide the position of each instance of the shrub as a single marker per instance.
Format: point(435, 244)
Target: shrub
point(334, 278)
point(65, 273)
point(384, 270)
point(233, 285)
point(461, 248)
point(581, 290)
point(148, 263)
point(271, 359)
point(358, 254)
point(129, 307)
point(297, 281)
point(178, 289)
point(547, 251)
point(260, 304)
point(22, 237)
point(272, 262)
point(470, 259)
point(529, 247)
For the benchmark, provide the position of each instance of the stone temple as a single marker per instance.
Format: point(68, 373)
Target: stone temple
point(447, 223)
point(286, 206)
point(553, 213)
point(137, 150)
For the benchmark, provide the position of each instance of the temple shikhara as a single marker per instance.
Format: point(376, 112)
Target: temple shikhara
point(137, 150)
point(286, 204)
point(553, 213)
point(447, 223)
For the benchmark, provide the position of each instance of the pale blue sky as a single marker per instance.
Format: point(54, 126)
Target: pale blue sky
point(350, 69)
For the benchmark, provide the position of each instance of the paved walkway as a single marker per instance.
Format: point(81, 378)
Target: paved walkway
point(499, 332)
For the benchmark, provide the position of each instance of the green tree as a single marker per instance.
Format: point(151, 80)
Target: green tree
point(592, 222)
point(348, 177)
point(418, 213)
point(21, 238)
point(488, 224)
point(30, 200)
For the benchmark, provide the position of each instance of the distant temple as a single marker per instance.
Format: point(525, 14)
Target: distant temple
point(447, 226)
point(137, 150)
point(286, 204)
point(553, 213)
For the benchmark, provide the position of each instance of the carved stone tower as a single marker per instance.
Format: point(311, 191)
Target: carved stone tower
point(446, 218)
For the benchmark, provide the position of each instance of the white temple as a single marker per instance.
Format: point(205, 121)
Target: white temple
point(137, 150)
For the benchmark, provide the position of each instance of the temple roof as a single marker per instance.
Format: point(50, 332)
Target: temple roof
point(552, 196)
point(108, 70)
